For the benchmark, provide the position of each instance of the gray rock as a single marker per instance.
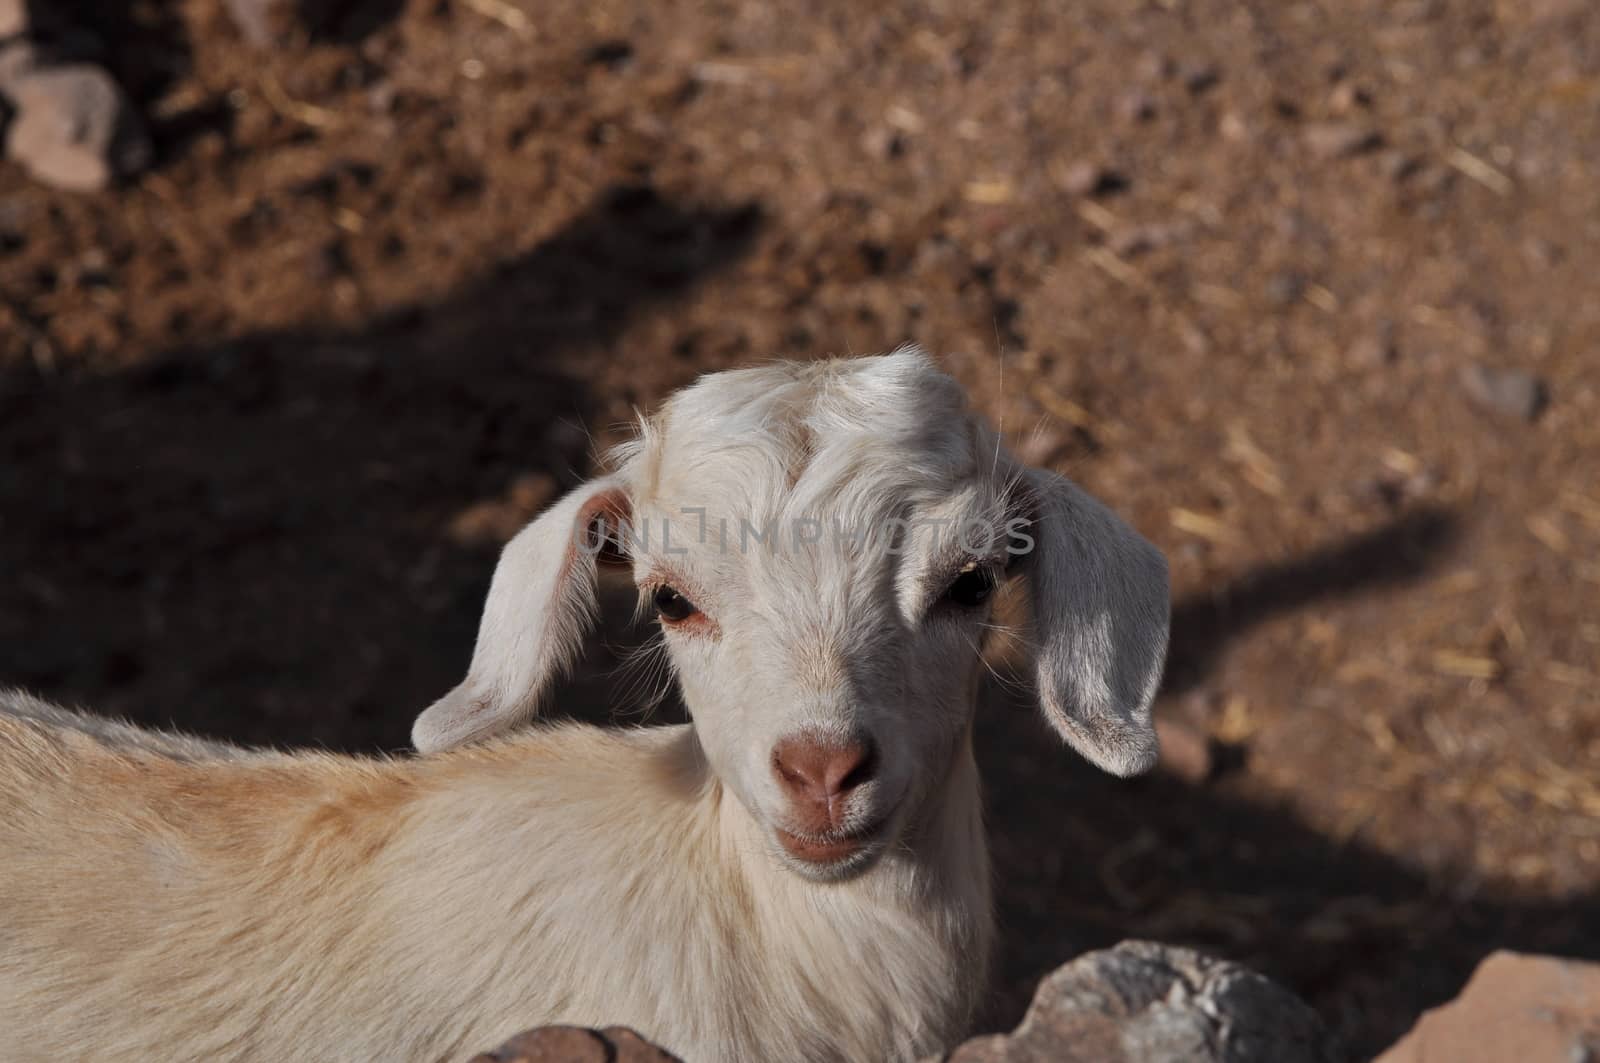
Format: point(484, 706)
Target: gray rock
point(1147, 1003)
point(74, 128)
point(1512, 392)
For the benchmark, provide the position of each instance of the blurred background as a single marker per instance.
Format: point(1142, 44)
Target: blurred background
point(306, 305)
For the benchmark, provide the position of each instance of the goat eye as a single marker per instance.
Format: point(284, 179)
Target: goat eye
point(972, 586)
point(672, 606)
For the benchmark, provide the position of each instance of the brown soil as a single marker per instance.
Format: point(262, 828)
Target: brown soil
point(266, 410)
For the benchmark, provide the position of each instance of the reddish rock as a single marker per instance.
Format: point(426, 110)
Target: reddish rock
point(1531, 1009)
point(576, 1044)
point(13, 18)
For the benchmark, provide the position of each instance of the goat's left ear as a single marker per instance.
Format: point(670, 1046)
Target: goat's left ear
point(1101, 611)
point(541, 604)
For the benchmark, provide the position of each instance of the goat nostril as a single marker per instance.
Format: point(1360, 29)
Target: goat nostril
point(865, 766)
point(787, 775)
point(796, 765)
point(820, 771)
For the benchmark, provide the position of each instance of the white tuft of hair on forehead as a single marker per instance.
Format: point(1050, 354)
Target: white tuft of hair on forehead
point(859, 440)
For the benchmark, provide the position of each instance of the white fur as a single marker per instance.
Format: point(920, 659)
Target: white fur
point(164, 897)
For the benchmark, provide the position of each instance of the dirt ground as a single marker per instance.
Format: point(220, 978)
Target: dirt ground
point(268, 410)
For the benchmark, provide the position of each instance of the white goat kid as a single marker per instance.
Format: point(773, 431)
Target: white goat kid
point(799, 874)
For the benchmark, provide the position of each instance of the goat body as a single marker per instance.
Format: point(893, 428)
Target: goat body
point(167, 898)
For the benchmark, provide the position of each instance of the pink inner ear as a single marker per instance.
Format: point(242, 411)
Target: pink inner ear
point(602, 518)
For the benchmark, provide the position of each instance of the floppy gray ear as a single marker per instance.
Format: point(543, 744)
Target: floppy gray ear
point(541, 604)
point(1101, 611)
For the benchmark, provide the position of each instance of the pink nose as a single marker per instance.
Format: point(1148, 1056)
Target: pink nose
point(818, 776)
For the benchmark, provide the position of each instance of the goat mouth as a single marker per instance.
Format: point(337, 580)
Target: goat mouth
point(829, 850)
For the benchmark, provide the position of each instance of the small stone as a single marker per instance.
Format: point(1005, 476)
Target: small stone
point(1153, 66)
point(1347, 96)
point(1285, 286)
point(1090, 179)
point(1372, 350)
point(1200, 77)
point(382, 97)
point(1398, 165)
point(883, 142)
point(1078, 178)
point(1394, 490)
point(1233, 127)
point(1135, 106)
point(1512, 392)
point(1340, 140)
point(13, 18)
point(74, 128)
point(1543, 254)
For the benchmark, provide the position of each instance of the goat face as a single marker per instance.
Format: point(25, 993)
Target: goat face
point(821, 543)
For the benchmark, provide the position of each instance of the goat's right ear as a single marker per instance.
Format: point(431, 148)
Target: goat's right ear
point(541, 604)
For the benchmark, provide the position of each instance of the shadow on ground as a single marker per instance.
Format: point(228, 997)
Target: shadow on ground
point(246, 540)
point(1083, 860)
point(1395, 554)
